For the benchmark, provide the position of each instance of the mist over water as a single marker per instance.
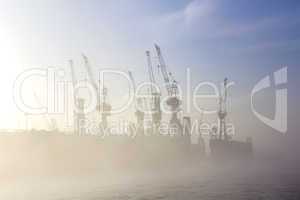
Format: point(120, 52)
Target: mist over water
point(70, 168)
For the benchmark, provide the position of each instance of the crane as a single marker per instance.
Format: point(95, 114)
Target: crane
point(79, 117)
point(90, 74)
point(138, 105)
point(103, 107)
point(172, 89)
point(223, 111)
point(150, 71)
point(163, 68)
point(155, 100)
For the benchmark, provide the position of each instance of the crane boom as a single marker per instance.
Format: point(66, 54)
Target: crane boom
point(150, 68)
point(90, 74)
point(170, 82)
point(132, 80)
point(94, 83)
point(163, 68)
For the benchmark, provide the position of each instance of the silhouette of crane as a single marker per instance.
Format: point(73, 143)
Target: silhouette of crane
point(172, 89)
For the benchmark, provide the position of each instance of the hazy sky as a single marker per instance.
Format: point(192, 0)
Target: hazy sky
point(242, 40)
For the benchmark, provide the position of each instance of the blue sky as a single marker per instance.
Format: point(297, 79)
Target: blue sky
point(242, 40)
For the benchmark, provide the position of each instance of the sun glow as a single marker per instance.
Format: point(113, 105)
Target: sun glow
point(10, 63)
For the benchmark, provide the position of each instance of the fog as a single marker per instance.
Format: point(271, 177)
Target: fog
point(56, 166)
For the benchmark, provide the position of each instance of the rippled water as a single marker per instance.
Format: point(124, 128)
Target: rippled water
point(209, 182)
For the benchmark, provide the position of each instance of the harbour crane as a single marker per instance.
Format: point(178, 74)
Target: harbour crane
point(140, 115)
point(103, 106)
point(223, 112)
point(79, 116)
point(172, 89)
point(155, 96)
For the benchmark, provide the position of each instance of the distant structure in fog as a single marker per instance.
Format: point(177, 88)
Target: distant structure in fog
point(223, 112)
point(223, 146)
point(170, 140)
point(139, 113)
point(155, 96)
point(172, 88)
point(103, 107)
point(78, 111)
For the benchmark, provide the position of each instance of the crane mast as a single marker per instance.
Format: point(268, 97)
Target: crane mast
point(140, 115)
point(223, 112)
